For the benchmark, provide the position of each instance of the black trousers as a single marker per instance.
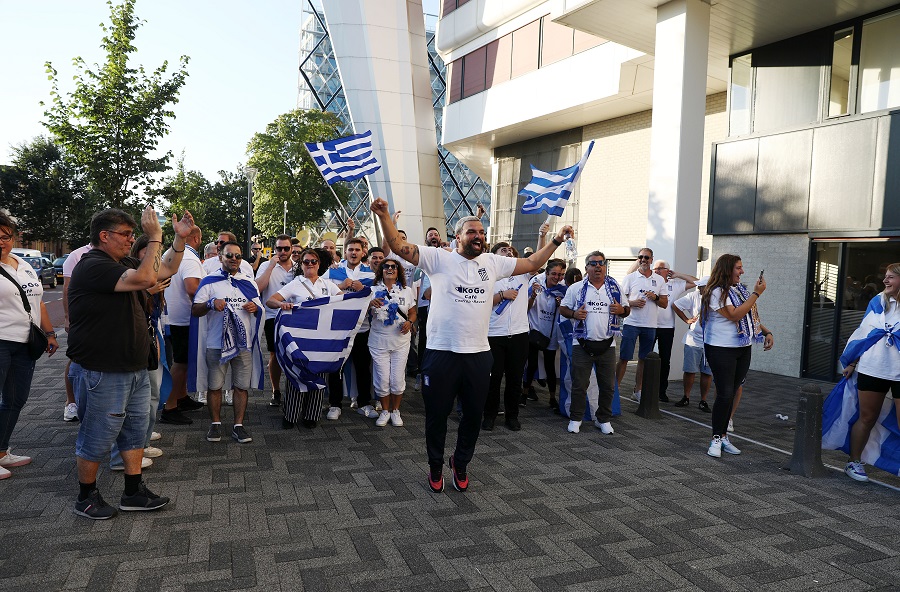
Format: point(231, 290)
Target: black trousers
point(549, 366)
point(422, 319)
point(664, 338)
point(509, 354)
point(361, 358)
point(444, 376)
point(729, 367)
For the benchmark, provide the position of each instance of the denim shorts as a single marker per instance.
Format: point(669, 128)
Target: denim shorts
point(630, 336)
point(241, 370)
point(114, 407)
point(695, 361)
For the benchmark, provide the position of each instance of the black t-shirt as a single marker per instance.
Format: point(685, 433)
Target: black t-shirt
point(107, 329)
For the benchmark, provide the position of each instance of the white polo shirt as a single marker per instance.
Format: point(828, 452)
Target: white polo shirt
point(280, 278)
point(13, 318)
point(389, 337)
point(462, 292)
point(178, 303)
point(513, 320)
point(689, 304)
point(596, 303)
point(674, 288)
point(633, 288)
point(300, 289)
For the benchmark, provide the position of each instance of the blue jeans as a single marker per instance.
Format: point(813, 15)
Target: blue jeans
point(16, 371)
point(114, 408)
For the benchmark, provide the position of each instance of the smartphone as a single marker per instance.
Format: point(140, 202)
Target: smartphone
point(761, 275)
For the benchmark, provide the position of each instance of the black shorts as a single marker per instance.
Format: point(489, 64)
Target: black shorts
point(180, 337)
point(864, 382)
point(269, 330)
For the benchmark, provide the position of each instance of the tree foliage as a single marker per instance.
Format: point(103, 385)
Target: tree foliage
point(47, 192)
point(113, 120)
point(287, 173)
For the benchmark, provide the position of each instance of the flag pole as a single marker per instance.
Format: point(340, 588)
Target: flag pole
point(336, 198)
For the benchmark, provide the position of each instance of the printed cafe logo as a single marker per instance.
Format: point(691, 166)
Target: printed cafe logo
point(596, 304)
point(470, 294)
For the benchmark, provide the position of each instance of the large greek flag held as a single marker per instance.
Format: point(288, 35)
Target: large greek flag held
point(315, 337)
point(344, 159)
point(550, 192)
point(841, 408)
point(565, 379)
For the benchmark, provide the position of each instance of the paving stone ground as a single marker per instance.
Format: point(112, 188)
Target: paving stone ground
point(345, 507)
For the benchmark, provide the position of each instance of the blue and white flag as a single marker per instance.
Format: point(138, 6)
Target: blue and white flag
point(344, 159)
point(316, 336)
point(841, 409)
point(550, 192)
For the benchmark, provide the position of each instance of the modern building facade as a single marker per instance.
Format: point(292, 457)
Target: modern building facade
point(762, 128)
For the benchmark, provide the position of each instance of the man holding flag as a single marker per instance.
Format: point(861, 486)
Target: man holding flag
point(458, 358)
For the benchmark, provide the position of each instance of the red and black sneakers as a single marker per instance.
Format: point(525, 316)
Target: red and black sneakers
point(460, 479)
point(436, 485)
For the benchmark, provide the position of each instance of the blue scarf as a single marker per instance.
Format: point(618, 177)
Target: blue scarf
point(391, 307)
point(614, 293)
point(748, 328)
point(234, 335)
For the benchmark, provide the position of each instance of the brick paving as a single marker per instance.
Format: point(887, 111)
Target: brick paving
point(346, 507)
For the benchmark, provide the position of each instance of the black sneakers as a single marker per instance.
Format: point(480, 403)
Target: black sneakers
point(94, 507)
point(143, 500)
point(215, 433)
point(241, 435)
point(276, 399)
point(175, 417)
point(188, 404)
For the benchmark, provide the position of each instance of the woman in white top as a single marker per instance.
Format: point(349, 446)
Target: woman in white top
point(730, 326)
point(297, 404)
point(878, 367)
point(16, 366)
point(393, 314)
point(543, 318)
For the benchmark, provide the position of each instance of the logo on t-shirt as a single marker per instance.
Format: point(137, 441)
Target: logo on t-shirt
point(483, 274)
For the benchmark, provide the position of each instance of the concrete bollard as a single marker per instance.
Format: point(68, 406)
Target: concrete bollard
point(807, 457)
point(649, 407)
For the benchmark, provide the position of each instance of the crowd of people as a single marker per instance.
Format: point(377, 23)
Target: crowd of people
point(147, 326)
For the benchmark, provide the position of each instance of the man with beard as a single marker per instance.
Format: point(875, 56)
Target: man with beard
point(272, 276)
point(458, 358)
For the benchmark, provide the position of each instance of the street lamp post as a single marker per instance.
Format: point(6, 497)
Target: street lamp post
point(285, 217)
point(250, 174)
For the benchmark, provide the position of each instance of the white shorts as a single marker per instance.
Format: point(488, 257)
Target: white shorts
point(389, 370)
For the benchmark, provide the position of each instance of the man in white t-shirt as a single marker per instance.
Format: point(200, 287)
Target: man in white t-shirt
point(688, 310)
point(70, 413)
point(644, 291)
point(179, 297)
point(458, 360)
point(272, 276)
point(674, 286)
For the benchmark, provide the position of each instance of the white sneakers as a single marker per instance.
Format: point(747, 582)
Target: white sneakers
point(396, 420)
point(637, 396)
point(152, 452)
point(718, 444)
point(229, 397)
point(383, 419)
point(605, 427)
point(11, 460)
point(378, 406)
point(333, 413)
point(574, 426)
point(730, 425)
point(367, 411)
point(388, 416)
point(155, 436)
point(71, 412)
point(728, 447)
point(146, 463)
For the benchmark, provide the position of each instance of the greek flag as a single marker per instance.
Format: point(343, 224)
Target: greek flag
point(315, 337)
point(344, 159)
point(550, 192)
point(841, 409)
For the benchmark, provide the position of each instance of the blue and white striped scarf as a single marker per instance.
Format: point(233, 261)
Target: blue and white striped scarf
point(749, 327)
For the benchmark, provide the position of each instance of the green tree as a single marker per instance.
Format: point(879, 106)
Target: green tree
point(287, 173)
point(115, 117)
point(47, 192)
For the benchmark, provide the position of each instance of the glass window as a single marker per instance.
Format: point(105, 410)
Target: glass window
point(474, 71)
point(740, 96)
point(585, 41)
point(499, 58)
point(454, 75)
point(841, 55)
point(526, 49)
point(879, 64)
point(556, 41)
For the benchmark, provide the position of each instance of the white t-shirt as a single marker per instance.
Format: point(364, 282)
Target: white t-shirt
point(280, 278)
point(689, 304)
point(596, 303)
point(881, 361)
point(13, 318)
point(73, 259)
point(178, 303)
point(214, 264)
point(389, 337)
point(543, 316)
point(462, 292)
point(300, 289)
point(514, 318)
point(633, 288)
point(234, 299)
point(673, 289)
point(720, 331)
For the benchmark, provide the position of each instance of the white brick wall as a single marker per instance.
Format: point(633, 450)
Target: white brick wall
point(785, 258)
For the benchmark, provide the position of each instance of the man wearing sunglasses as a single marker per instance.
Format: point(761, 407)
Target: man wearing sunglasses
point(226, 320)
point(272, 276)
point(646, 294)
point(215, 264)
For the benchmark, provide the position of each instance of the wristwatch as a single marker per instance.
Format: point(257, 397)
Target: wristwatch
point(50, 333)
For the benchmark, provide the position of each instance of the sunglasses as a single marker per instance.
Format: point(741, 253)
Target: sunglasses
point(386, 267)
point(221, 242)
point(282, 248)
point(642, 257)
point(255, 249)
point(596, 263)
point(310, 262)
point(237, 256)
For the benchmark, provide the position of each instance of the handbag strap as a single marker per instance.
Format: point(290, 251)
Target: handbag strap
point(21, 291)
